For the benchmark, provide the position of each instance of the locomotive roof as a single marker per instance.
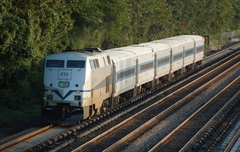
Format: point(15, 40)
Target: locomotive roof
point(119, 53)
point(170, 42)
point(86, 53)
point(155, 46)
point(138, 49)
point(195, 37)
point(183, 39)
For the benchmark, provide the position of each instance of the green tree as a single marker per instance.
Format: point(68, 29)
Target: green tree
point(110, 24)
point(29, 31)
point(203, 17)
point(151, 19)
point(117, 24)
point(236, 9)
point(87, 30)
point(219, 16)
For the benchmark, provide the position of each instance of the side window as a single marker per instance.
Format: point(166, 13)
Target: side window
point(108, 58)
point(92, 64)
point(96, 63)
point(200, 49)
point(125, 73)
point(176, 57)
point(189, 52)
point(146, 66)
point(104, 61)
point(163, 61)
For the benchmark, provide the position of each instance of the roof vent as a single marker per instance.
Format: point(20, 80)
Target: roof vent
point(92, 49)
point(86, 49)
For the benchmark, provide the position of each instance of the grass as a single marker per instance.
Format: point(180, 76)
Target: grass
point(8, 115)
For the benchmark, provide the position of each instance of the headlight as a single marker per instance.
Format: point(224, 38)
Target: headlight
point(49, 97)
point(77, 98)
point(63, 84)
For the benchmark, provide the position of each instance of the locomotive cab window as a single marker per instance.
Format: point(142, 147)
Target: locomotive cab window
point(108, 58)
point(55, 64)
point(75, 64)
point(94, 63)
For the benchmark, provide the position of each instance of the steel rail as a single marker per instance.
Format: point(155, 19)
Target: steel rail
point(222, 51)
point(233, 142)
point(211, 120)
point(190, 118)
point(25, 137)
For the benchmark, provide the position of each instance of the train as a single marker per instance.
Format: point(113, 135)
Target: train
point(83, 83)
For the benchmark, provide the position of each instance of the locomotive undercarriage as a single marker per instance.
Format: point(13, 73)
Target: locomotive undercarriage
point(63, 113)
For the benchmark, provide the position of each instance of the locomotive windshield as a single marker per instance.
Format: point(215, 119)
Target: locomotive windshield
point(60, 64)
point(55, 64)
point(75, 64)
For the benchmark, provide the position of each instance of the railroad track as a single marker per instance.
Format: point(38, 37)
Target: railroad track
point(207, 131)
point(32, 138)
point(132, 133)
point(221, 142)
point(233, 47)
point(212, 109)
point(10, 143)
point(233, 143)
point(76, 133)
